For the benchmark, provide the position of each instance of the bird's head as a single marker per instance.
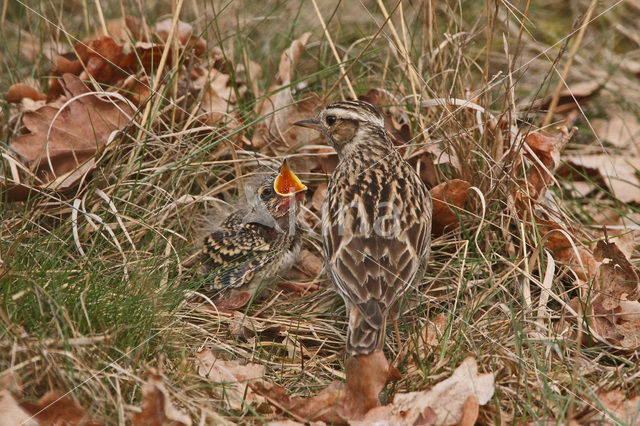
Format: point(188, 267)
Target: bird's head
point(278, 194)
point(347, 124)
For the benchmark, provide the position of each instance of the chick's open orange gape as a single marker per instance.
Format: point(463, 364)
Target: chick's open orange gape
point(287, 183)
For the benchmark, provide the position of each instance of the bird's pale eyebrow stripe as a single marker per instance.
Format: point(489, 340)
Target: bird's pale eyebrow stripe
point(355, 106)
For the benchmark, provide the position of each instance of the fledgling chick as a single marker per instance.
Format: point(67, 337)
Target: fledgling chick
point(258, 240)
point(376, 221)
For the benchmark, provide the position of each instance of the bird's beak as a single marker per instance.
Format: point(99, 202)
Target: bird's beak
point(313, 123)
point(287, 183)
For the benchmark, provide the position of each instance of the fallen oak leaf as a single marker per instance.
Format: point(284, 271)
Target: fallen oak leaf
point(428, 337)
point(245, 327)
point(339, 403)
point(62, 141)
point(617, 277)
point(617, 172)
point(318, 196)
point(157, 409)
point(57, 408)
point(571, 98)
point(580, 259)
point(451, 401)
point(611, 308)
point(618, 407)
point(233, 376)
point(325, 406)
point(12, 412)
point(447, 196)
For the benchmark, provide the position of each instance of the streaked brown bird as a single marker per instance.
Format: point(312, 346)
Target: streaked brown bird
point(376, 221)
point(258, 239)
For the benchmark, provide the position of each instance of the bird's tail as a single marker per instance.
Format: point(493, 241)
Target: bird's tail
point(364, 338)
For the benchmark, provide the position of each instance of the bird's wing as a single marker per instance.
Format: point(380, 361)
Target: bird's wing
point(236, 252)
point(376, 232)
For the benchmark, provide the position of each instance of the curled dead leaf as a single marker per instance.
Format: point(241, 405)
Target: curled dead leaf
point(580, 259)
point(617, 277)
point(126, 29)
point(447, 198)
point(546, 158)
point(185, 35)
point(615, 171)
point(19, 91)
point(157, 408)
point(245, 327)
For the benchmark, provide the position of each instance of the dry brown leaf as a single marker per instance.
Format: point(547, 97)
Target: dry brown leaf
point(218, 96)
point(127, 29)
point(309, 263)
point(580, 260)
point(233, 377)
point(19, 91)
point(447, 197)
point(625, 410)
point(137, 88)
point(242, 326)
point(99, 58)
point(428, 338)
point(618, 173)
point(157, 409)
point(339, 402)
point(57, 409)
point(281, 110)
point(318, 196)
point(60, 152)
point(185, 35)
point(621, 129)
point(547, 150)
point(231, 304)
point(617, 277)
point(577, 94)
point(12, 412)
point(451, 401)
point(612, 310)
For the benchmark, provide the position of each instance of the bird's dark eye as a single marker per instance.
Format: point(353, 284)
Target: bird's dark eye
point(266, 192)
point(331, 120)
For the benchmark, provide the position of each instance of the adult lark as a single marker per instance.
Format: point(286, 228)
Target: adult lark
point(376, 221)
point(258, 239)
